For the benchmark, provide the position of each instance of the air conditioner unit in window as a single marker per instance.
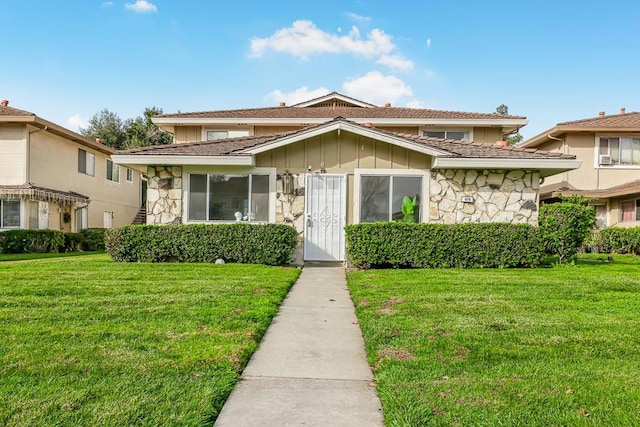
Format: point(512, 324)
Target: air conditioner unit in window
point(605, 160)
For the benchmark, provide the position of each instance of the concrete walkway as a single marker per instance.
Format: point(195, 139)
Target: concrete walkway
point(310, 368)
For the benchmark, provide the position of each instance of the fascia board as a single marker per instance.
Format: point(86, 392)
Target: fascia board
point(128, 159)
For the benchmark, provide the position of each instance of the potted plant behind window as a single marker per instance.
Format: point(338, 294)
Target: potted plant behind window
point(409, 209)
point(66, 217)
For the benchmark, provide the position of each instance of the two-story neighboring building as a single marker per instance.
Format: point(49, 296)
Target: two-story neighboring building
point(609, 147)
point(53, 178)
point(334, 160)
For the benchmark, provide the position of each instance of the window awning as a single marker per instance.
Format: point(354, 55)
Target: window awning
point(28, 191)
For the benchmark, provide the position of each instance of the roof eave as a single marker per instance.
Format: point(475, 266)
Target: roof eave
point(166, 122)
point(179, 160)
point(547, 167)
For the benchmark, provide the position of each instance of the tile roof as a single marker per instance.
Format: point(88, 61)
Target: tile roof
point(626, 120)
point(566, 189)
point(453, 148)
point(333, 112)
point(10, 111)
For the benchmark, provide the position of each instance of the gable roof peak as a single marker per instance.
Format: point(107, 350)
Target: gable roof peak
point(336, 99)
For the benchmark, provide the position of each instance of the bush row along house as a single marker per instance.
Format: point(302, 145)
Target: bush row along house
point(609, 147)
point(53, 178)
point(336, 160)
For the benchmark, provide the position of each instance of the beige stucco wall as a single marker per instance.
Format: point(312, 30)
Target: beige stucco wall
point(53, 163)
point(588, 176)
point(13, 154)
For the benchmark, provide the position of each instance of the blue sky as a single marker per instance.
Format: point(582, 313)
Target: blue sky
point(551, 61)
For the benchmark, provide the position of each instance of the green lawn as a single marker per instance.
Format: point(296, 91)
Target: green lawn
point(26, 257)
point(531, 347)
point(86, 341)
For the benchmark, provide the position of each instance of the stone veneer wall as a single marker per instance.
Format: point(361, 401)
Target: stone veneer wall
point(290, 210)
point(164, 195)
point(499, 196)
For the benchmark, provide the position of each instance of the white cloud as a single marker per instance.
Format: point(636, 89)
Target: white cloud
point(107, 4)
point(298, 95)
point(76, 122)
point(396, 62)
point(303, 38)
point(141, 6)
point(416, 103)
point(428, 43)
point(377, 88)
point(358, 18)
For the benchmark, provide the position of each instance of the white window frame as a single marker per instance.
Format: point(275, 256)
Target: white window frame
point(424, 197)
point(187, 172)
point(231, 133)
point(129, 174)
point(82, 216)
point(115, 171)
point(20, 214)
point(468, 131)
point(596, 159)
point(89, 162)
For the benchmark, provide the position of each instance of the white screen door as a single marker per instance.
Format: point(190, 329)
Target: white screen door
point(325, 215)
point(107, 219)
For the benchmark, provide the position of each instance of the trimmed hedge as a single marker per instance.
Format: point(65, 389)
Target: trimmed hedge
point(620, 240)
point(404, 245)
point(30, 241)
point(72, 242)
point(271, 244)
point(93, 239)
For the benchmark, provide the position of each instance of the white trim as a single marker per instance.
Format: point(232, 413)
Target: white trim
point(376, 121)
point(366, 132)
point(230, 171)
point(424, 198)
point(171, 160)
point(547, 167)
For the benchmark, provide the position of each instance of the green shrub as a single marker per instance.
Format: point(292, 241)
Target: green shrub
point(94, 239)
point(565, 226)
point(73, 241)
point(271, 244)
point(30, 241)
point(406, 245)
point(620, 240)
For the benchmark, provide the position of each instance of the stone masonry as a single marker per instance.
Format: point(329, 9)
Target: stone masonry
point(290, 210)
point(164, 195)
point(498, 196)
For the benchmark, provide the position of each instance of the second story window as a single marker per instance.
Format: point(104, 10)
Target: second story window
point(211, 135)
point(86, 162)
point(619, 151)
point(448, 134)
point(113, 171)
point(129, 175)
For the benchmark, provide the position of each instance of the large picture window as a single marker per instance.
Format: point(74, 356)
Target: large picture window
point(623, 150)
point(381, 197)
point(221, 197)
point(9, 213)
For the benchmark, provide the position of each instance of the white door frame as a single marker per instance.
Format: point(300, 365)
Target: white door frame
point(341, 215)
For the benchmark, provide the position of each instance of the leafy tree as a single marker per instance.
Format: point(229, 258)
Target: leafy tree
point(142, 132)
point(512, 139)
point(107, 126)
point(565, 225)
point(130, 133)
